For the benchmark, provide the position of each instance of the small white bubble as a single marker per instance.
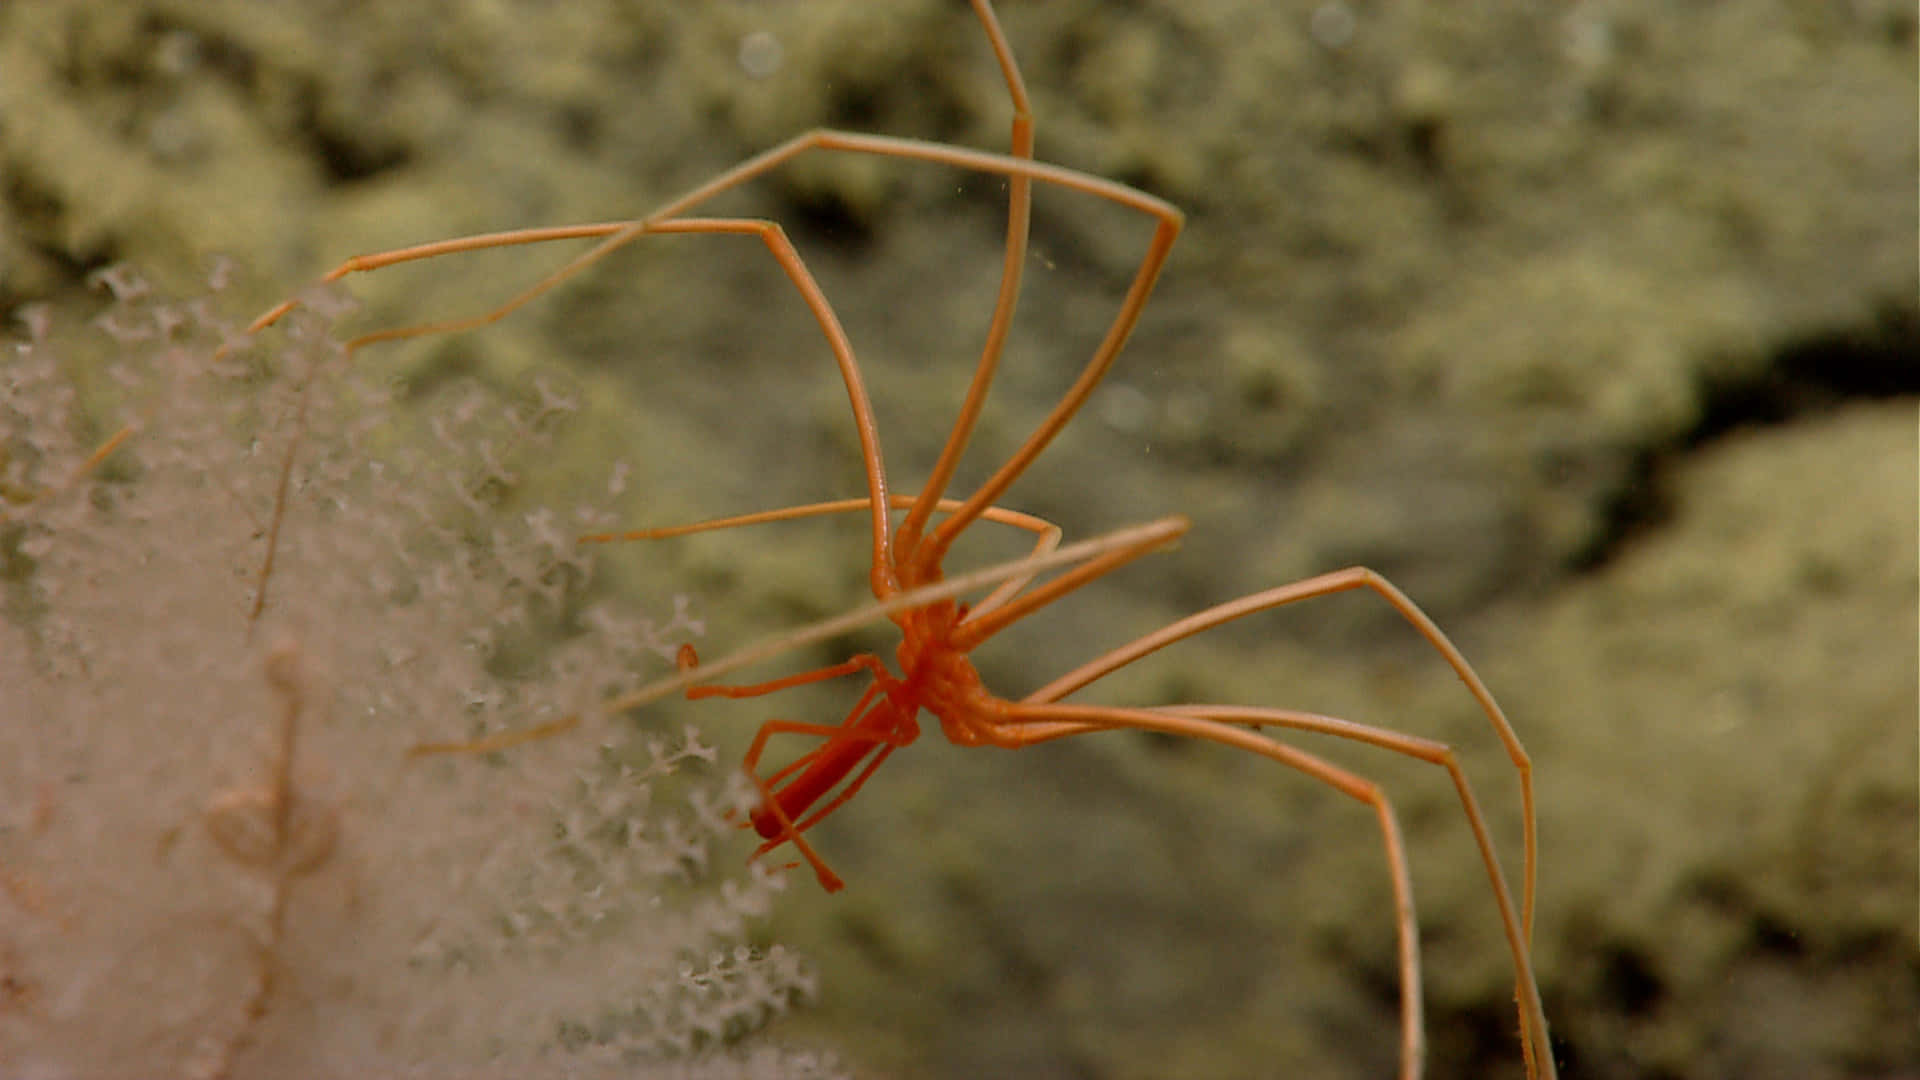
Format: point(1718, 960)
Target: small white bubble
point(761, 54)
point(1332, 25)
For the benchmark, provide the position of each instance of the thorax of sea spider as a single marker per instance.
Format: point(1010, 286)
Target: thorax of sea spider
point(936, 674)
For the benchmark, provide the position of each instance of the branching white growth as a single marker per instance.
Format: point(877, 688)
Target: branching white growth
point(215, 857)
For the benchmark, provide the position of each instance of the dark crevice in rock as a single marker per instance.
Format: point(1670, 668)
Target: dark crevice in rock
point(1810, 376)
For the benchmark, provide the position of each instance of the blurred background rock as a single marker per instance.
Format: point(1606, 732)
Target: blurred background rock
point(1592, 326)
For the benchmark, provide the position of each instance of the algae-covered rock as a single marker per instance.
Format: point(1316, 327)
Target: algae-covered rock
point(1571, 320)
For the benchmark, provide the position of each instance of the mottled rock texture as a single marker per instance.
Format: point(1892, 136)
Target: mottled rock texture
point(1593, 326)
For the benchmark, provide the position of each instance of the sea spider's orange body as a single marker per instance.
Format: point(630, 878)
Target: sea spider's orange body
point(938, 631)
point(935, 676)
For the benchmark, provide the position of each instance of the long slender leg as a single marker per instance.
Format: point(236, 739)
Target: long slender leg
point(1020, 170)
point(1533, 1022)
point(1134, 540)
point(1046, 532)
point(667, 219)
point(614, 235)
point(776, 242)
point(829, 880)
point(829, 732)
point(1014, 725)
point(1029, 522)
point(979, 627)
point(503, 740)
point(834, 735)
point(1019, 215)
point(1358, 577)
point(862, 662)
